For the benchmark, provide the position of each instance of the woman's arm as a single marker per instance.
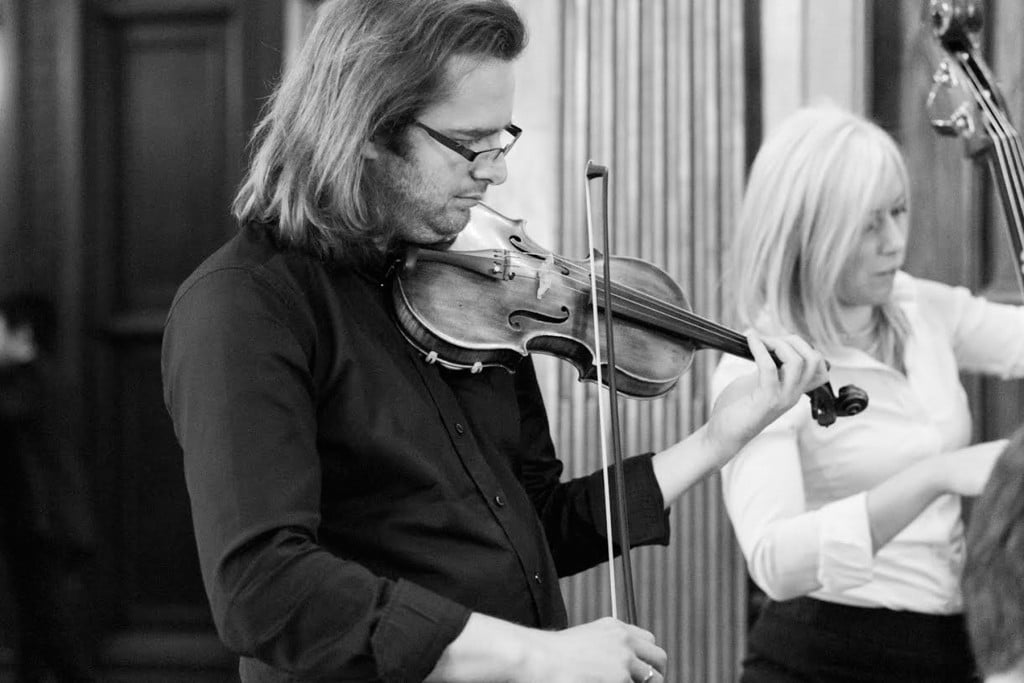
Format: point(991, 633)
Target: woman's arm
point(986, 337)
point(898, 500)
point(746, 406)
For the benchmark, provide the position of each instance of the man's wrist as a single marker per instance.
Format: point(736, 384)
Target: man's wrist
point(719, 450)
point(488, 649)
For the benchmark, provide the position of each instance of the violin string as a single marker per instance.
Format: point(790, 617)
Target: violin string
point(654, 307)
point(660, 309)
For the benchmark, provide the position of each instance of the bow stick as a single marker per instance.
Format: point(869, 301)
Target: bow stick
point(597, 172)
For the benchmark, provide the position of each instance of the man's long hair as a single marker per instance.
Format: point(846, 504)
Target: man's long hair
point(366, 70)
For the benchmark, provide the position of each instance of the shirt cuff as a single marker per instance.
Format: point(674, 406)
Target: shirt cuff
point(847, 560)
point(413, 632)
point(646, 515)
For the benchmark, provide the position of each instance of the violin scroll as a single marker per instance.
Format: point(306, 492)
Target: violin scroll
point(851, 401)
point(826, 406)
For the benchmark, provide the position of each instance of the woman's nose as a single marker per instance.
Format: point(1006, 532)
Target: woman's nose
point(894, 233)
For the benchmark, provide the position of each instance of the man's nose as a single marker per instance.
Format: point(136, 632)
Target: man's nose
point(493, 171)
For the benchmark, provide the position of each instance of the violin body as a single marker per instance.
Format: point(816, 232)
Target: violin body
point(528, 301)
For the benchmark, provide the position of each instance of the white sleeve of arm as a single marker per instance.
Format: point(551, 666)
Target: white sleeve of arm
point(789, 550)
point(987, 337)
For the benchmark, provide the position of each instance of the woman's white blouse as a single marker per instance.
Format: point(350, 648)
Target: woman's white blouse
point(796, 493)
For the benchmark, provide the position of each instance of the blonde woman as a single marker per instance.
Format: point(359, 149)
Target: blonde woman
point(854, 531)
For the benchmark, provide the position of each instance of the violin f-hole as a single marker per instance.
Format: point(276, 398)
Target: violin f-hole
point(539, 317)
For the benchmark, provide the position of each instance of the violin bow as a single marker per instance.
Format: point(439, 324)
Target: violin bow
point(597, 172)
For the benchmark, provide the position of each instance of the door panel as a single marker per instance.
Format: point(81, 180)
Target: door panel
point(171, 91)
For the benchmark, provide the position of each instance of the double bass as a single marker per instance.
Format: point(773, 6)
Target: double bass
point(965, 102)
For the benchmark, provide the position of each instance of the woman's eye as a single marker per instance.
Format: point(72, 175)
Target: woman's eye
point(875, 221)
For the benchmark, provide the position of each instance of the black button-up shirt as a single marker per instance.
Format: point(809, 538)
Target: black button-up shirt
point(353, 503)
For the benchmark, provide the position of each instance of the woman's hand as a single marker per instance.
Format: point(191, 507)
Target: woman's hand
point(752, 402)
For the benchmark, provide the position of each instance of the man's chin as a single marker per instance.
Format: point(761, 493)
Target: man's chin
point(443, 244)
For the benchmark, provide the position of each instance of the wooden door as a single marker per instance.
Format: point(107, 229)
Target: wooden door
point(171, 90)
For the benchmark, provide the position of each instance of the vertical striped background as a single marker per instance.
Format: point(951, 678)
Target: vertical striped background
point(653, 89)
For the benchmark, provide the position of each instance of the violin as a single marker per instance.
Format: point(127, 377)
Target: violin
point(507, 296)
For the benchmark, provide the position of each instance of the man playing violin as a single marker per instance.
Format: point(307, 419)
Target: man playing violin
point(361, 514)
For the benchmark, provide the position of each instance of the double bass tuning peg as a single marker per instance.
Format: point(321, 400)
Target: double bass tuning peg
point(950, 112)
point(952, 19)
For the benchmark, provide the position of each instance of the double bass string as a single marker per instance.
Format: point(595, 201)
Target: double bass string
point(1007, 145)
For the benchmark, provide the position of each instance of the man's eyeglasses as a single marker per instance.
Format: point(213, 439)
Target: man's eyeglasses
point(492, 154)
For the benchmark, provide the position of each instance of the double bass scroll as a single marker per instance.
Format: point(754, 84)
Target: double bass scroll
point(965, 102)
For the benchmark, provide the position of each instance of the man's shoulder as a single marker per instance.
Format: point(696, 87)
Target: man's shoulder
point(252, 258)
point(252, 275)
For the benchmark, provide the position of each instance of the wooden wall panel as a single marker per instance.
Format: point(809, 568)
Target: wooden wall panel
point(655, 92)
point(10, 147)
point(172, 103)
point(171, 92)
point(161, 582)
point(158, 99)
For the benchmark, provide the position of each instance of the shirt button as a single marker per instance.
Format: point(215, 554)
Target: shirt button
point(459, 428)
point(499, 500)
point(537, 579)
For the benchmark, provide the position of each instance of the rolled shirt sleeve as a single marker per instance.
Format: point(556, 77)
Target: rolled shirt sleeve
point(790, 550)
point(845, 546)
point(986, 337)
point(239, 394)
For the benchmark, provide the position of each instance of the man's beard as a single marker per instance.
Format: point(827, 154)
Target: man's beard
point(398, 197)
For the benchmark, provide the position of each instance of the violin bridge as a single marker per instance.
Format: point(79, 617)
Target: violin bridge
point(545, 276)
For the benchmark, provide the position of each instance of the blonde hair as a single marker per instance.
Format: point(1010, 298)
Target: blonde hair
point(366, 70)
point(813, 185)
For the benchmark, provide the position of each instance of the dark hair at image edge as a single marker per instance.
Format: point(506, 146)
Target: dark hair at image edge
point(994, 570)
